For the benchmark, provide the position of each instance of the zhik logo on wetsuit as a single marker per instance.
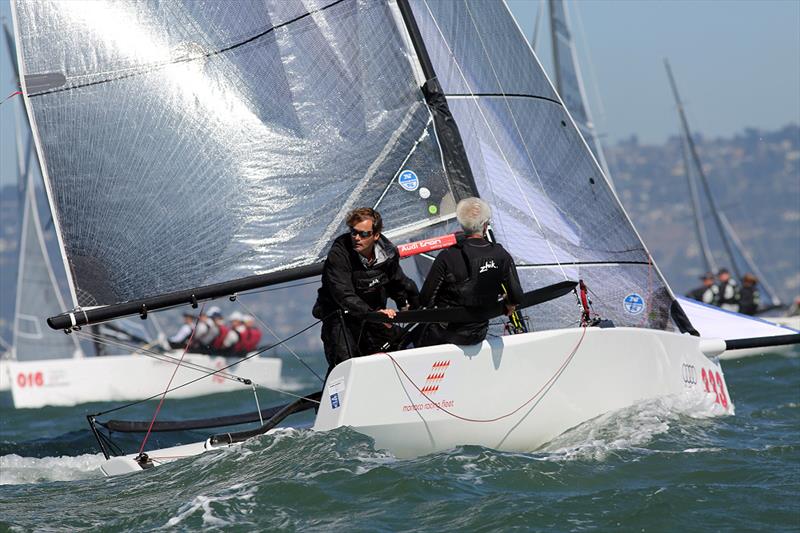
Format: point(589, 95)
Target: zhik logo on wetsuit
point(487, 265)
point(374, 282)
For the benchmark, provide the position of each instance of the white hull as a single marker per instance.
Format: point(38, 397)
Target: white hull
point(714, 322)
point(66, 382)
point(528, 379)
point(788, 321)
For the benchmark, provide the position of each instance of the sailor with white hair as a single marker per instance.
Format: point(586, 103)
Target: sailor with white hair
point(473, 273)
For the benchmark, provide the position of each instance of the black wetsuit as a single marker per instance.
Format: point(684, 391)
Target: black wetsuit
point(470, 274)
point(349, 286)
point(750, 299)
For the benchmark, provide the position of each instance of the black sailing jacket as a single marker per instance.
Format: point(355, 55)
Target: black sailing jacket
point(451, 284)
point(349, 285)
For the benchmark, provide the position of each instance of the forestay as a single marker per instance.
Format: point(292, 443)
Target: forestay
point(554, 210)
point(188, 143)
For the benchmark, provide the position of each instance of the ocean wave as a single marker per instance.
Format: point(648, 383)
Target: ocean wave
point(16, 470)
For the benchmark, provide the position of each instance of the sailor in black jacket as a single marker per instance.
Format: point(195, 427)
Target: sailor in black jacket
point(474, 273)
point(361, 271)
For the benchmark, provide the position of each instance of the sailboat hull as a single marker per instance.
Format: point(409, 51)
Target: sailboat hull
point(714, 322)
point(66, 382)
point(510, 393)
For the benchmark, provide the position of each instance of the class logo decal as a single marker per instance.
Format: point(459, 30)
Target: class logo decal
point(408, 180)
point(435, 377)
point(633, 304)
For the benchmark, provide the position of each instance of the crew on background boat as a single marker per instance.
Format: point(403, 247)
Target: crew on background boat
point(252, 333)
point(361, 272)
point(205, 331)
point(750, 297)
point(708, 293)
point(794, 309)
point(473, 273)
point(236, 339)
point(728, 291)
point(216, 345)
point(181, 337)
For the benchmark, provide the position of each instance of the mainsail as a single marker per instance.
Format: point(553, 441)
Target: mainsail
point(188, 144)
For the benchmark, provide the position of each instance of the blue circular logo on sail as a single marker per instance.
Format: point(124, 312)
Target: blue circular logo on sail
point(408, 180)
point(633, 303)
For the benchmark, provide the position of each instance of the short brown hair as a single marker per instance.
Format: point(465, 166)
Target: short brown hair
point(361, 214)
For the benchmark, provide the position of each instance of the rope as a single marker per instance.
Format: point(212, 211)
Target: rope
point(163, 357)
point(10, 96)
point(547, 383)
point(163, 396)
point(649, 295)
point(264, 324)
point(242, 380)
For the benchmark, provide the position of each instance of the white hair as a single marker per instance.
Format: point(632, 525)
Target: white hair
point(472, 214)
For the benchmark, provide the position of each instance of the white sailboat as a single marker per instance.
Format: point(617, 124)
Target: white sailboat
point(712, 321)
point(273, 119)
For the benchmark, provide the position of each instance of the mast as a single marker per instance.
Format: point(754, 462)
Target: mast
point(456, 162)
point(699, 226)
point(693, 150)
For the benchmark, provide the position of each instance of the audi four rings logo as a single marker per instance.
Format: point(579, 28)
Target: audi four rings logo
point(689, 374)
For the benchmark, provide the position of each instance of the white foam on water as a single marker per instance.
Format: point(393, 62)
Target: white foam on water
point(16, 470)
point(628, 428)
point(205, 504)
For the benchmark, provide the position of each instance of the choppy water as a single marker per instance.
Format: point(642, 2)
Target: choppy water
point(659, 466)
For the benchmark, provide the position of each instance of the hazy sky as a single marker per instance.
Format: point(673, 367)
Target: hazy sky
point(737, 64)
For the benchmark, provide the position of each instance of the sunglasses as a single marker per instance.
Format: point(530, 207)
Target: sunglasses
point(362, 234)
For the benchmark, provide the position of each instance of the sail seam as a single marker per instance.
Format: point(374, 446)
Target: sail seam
point(163, 64)
point(583, 263)
point(504, 95)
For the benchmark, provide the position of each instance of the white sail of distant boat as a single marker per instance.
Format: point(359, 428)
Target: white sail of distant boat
point(736, 253)
point(230, 144)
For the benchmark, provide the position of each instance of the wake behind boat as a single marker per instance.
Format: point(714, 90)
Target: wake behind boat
point(243, 145)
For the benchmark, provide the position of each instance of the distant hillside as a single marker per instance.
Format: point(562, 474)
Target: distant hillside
point(755, 177)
